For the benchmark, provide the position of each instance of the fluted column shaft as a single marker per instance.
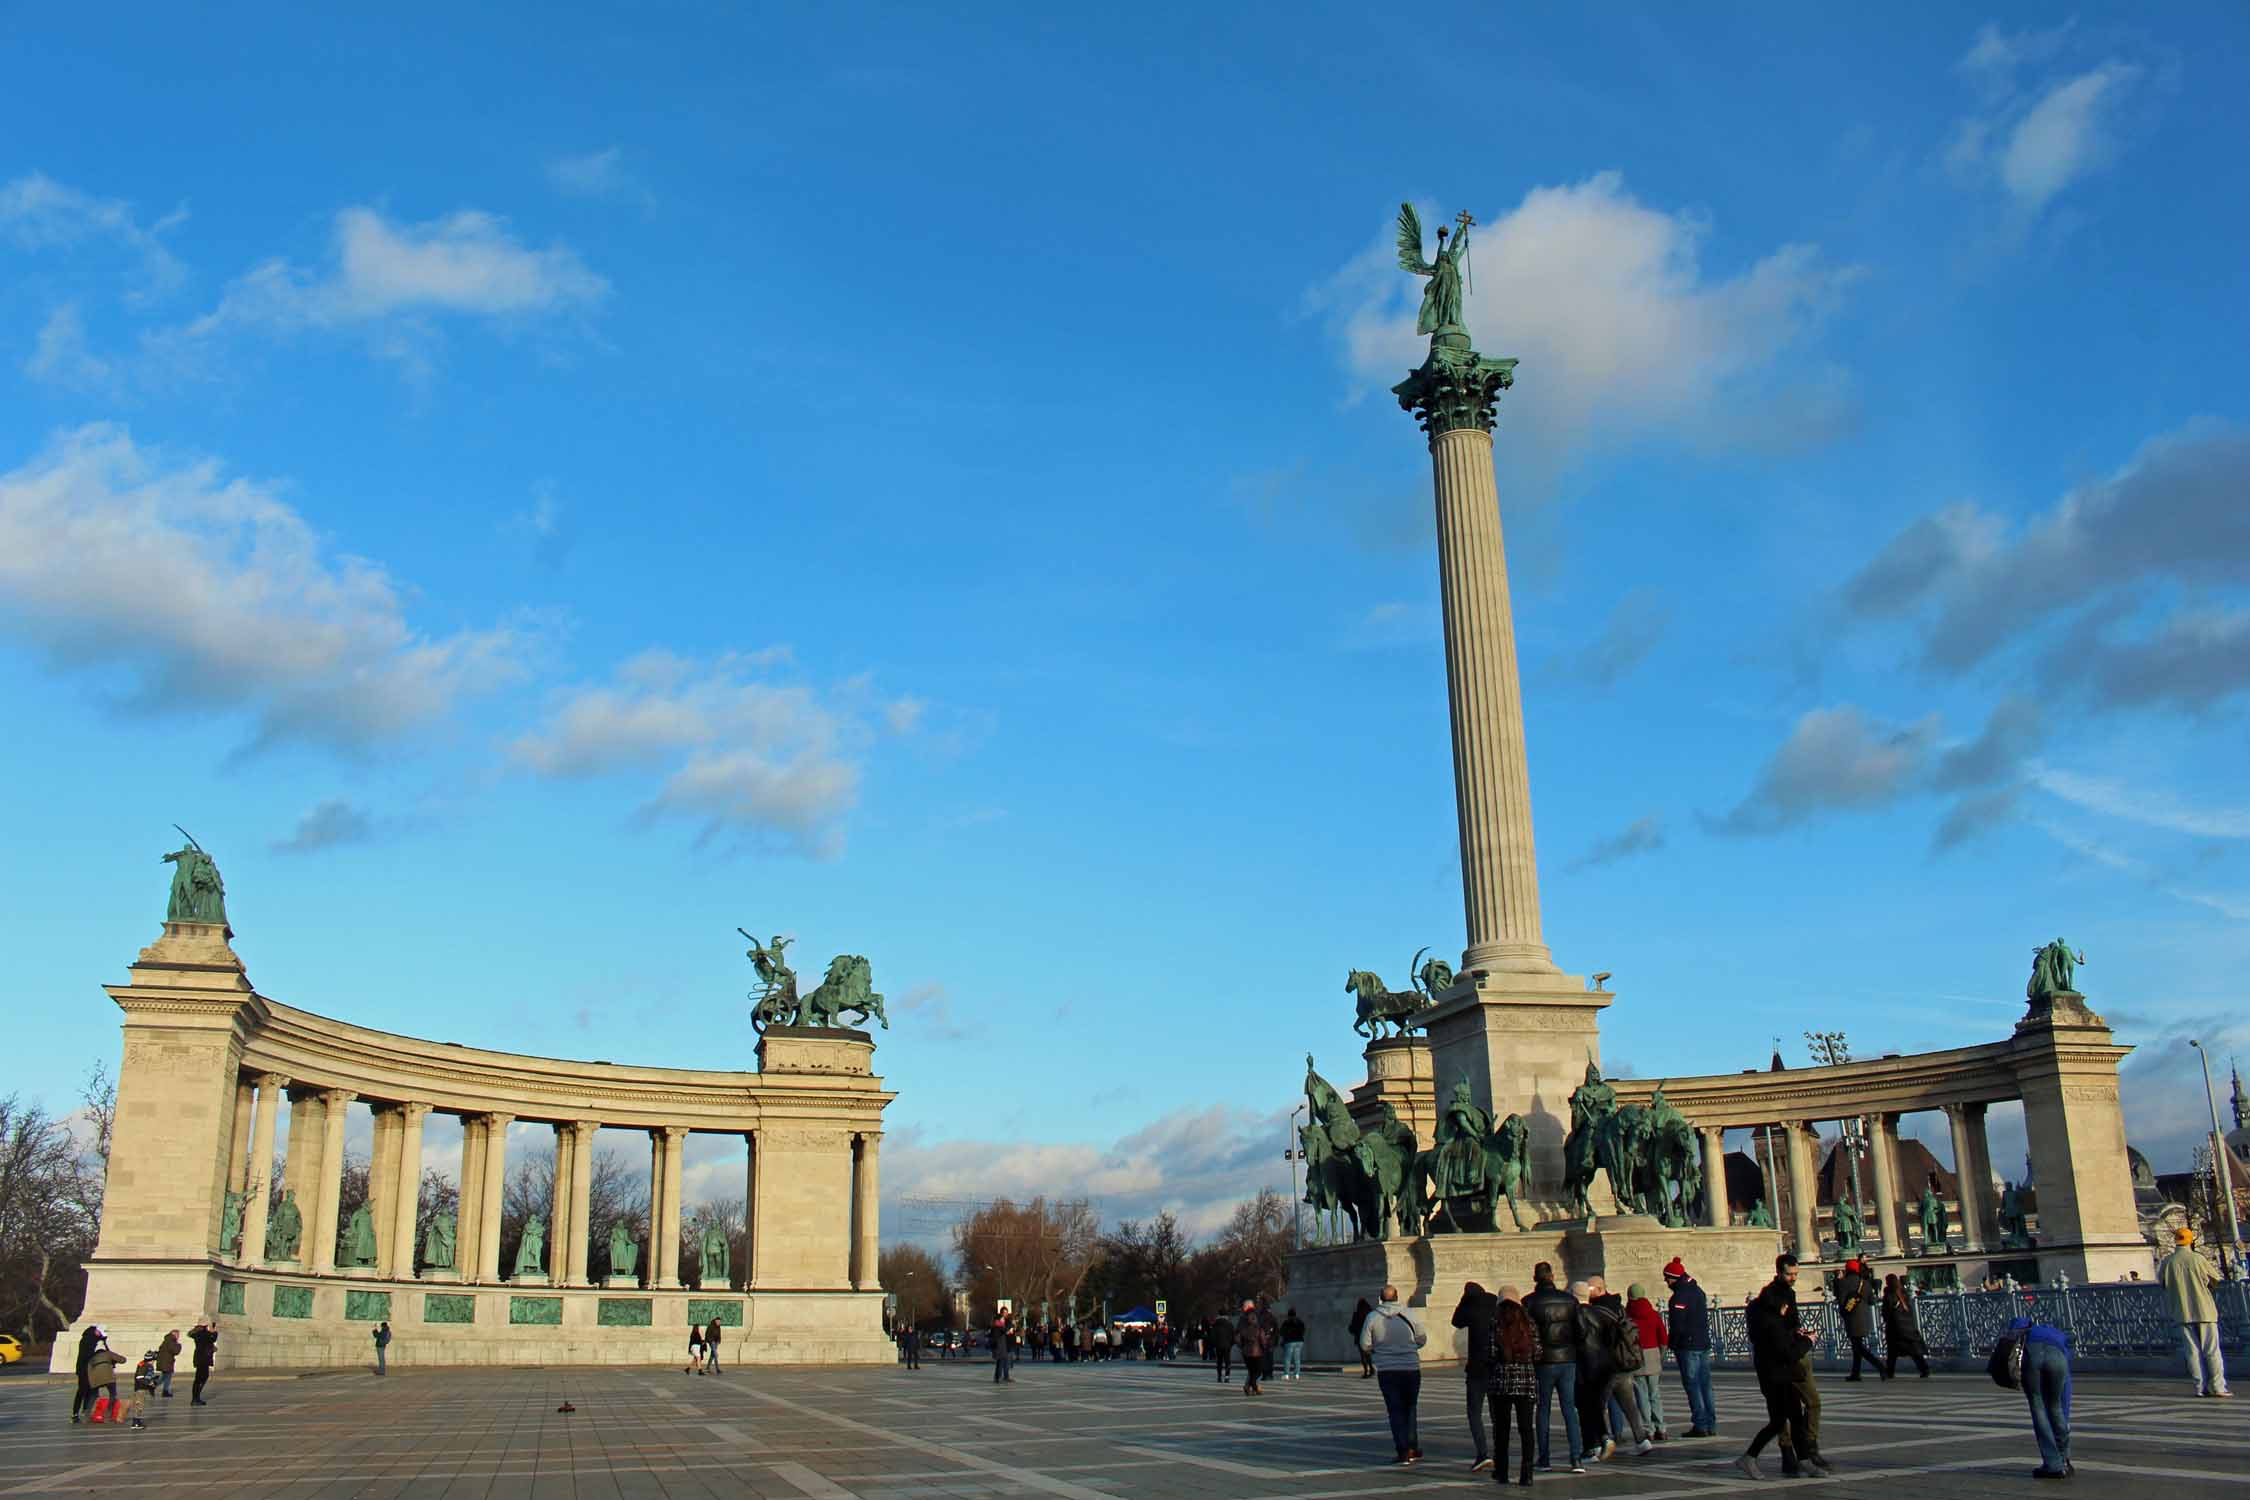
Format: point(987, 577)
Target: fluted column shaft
point(558, 1206)
point(1714, 1175)
point(257, 1186)
point(865, 1240)
point(238, 1144)
point(382, 1183)
point(1491, 779)
point(1968, 1186)
point(494, 1196)
point(664, 1228)
point(1802, 1190)
point(1883, 1134)
point(408, 1189)
point(323, 1227)
point(468, 1216)
point(581, 1199)
point(753, 1212)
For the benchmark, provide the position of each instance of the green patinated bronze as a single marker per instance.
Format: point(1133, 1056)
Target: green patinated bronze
point(285, 1228)
point(1760, 1216)
point(1591, 1105)
point(2053, 976)
point(437, 1245)
point(366, 1307)
point(847, 986)
point(359, 1238)
point(624, 1254)
point(625, 1312)
point(1933, 1216)
point(448, 1307)
point(198, 895)
point(1670, 1170)
point(1850, 1227)
point(292, 1301)
point(2015, 1223)
point(1373, 1175)
point(1456, 387)
point(714, 1256)
point(727, 1310)
point(232, 1296)
point(531, 1253)
point(230, 1225)
point(1474, 1166)
point(545, 1312)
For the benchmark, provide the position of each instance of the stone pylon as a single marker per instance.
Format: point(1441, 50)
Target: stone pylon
point(1516, 1026)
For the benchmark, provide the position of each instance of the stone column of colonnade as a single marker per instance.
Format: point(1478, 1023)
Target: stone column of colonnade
point(1803, 1189)
point(1491, 776)
point(468, 1214)
point(558, 1204)
point(493, 1184)
point(258, 1188)
point(667, 1149)
point(581, 1200)
point(238, 1154)
point(1883, 1139)
point(866, 1249)
point(1971, 1177)
point(407, 1189)
point(1714, 1175)
point(320, 1224)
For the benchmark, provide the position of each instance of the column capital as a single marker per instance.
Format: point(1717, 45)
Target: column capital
point(497, 1119)
point(672, 1132)
point(336, 1098)
point(588, 1126)
point(271, 1080)
point(868, 1137)
point(1456, 388)
point(415, 1109)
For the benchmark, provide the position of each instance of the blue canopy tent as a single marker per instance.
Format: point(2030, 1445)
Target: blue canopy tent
point(1142, 1314)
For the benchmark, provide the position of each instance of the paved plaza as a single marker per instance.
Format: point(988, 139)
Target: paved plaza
point(1087, 1432)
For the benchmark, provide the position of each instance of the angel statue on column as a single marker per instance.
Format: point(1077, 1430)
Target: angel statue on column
point(1441, 299)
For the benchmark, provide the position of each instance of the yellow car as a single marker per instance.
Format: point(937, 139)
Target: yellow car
point(11, 1349)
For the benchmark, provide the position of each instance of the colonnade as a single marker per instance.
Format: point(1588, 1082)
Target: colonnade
point(313, 1166)
point(1799, 1167)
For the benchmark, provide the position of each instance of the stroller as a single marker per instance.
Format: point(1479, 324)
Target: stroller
point(144, 1373)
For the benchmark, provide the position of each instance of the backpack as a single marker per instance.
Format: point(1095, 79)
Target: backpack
point(1624, 1343)
point(2006, 1365)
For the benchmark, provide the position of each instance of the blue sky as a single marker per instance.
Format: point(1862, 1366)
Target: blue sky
point(534, 490)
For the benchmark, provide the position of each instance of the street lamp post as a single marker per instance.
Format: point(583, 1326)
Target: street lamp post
point(2222, 1170)
point(1296, 1198)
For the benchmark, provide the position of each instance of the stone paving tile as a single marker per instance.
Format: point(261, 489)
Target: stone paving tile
point(1112, 1432)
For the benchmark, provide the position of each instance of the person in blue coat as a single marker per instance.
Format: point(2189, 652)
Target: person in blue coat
point(2046, 1387)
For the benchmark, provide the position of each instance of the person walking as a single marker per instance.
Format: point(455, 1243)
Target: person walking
point(1359, 1322)
point(1222, 1348)
point(206, 1341)
point(1251, 1338)
point(1781, 1356)
point(1393, 1341)
point(101, 1375)
point(913, 1347)
point(711, 1338)
point(1855, 1300)
point(1609, 1356)
point(1003, 1372)
point(1554, 1317)
point(382, 1347)
point(1648, 1383)
point(1902, 1328)
point(2187, 1279)
point(1292, 1347)
point(167, 1356)
point(1688, 1327)
point(1476, 1314)
point(694, 1349)
point(89, 1340)
point(1514, 1383)
point(2046, 1389)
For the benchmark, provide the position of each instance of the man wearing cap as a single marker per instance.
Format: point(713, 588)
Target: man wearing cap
point(1855, 1299)
point(2187, 1279)
point(206, 1341)
point(1687, 1316)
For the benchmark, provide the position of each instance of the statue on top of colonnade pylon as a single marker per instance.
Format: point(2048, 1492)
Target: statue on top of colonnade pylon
point(198, 895)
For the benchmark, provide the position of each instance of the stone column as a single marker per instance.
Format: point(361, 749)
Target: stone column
point(1883, 1137)
point(322, 1223)
point(409, 1189)
point(558, 1207)
point(258, 1185)
point(866, 1242)
point(1803, 1190)
point(1714, 1175)
point(650, 1259)
point(300, 1165)
point(495, 1182)
point(382, 1182)
point(238, 1149)
point(664, 1232)
point(468, 1216)
point(1968, 1187)
point(581, 1199)
point(753, 1209)
point(1980, 1148)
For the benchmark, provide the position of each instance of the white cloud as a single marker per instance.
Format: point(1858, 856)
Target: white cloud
point(330, 823)
point(1606, 303)
point(598, 174)
point(739, 754)
point(60, 357)
point(214, 595)
point(1835, 759)
point(39, 213)
point(2039, 129)
point(2065, 135)
point(2155, 807)
point(904, 715)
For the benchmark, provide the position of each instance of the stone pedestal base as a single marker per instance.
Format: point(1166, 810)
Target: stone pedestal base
point(528, 1278)
point(359, 1273)
point(1523, 1041)
point(2113, 1259)
point(622, 1283)
point(441, 1273)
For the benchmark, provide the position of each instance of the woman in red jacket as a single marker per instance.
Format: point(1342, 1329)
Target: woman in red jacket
point(1646, 1384)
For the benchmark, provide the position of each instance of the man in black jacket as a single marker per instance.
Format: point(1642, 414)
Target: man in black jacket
point(1689, 1316)
point(1856, 1292)
point(1475, 1312)
point(206, 1341)
point(1781, 1354)
point(1603, 1379)
point(1554, 1313)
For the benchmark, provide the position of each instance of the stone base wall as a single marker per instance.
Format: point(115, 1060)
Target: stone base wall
point(277, 1320)
point(1325, 1284)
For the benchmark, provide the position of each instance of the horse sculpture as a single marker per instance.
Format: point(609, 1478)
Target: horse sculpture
point(846, 987)
point(1379, 1006)
point(1672, 1164)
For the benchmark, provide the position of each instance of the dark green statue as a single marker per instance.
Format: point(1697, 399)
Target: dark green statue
point(285, 1228)
point(848, 986)
point(1456, 387)
point(2015, 1224)
point(1760, 1216)
point(359, 1238)
point(1671, 1163)
point(1932, 1211)
point(714, 1256)
point(1441, 299)
point(198, 895)
point(1475, 1166)
point(437, 1245)
point(624, 1253)
point(230, 1225)
point(531, 1253)
point(2053, 974)
point(1461, 1132)
point(1378, 1005)
point(1591, 1105)
point(1850, 1227)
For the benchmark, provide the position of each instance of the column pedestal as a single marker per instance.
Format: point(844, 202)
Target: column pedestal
point(1523, 1042)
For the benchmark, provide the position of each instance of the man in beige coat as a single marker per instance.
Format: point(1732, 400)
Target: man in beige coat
point(2187, 1279)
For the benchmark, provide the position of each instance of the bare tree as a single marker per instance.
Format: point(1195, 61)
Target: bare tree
point(913, 1275)
point(50, 1209)
point(1031, 1252)
point(727, 1214)
point(614, 1191)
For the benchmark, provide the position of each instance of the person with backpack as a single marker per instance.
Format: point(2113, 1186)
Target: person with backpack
point(1609, 1356)
point(206, 1341)
point(1554, 1315)
point(1394, 1342)
point(1902, 1328)
point(1688, 1327)
point(1475, 1314)
point(1855, 1300)
point(1514, 1381)
point(2042, 1369)
point(1648, 1380)
point(382, 1347)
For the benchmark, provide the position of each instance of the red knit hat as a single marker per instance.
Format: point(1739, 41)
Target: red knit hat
point(1675, 1271)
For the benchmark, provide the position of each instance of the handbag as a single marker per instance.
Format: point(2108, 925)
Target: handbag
point(2006, 1365)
